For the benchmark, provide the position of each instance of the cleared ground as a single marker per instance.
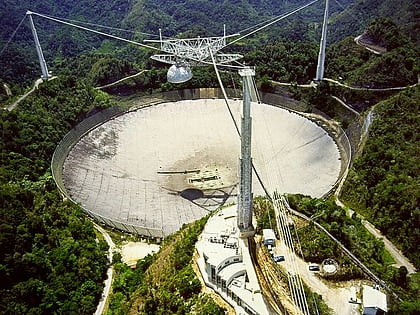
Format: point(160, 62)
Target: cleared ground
point(169, 164)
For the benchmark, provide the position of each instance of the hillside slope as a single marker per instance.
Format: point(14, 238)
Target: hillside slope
point(356, 17)
point(384, 181)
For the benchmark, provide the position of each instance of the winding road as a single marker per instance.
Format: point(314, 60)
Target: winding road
point(396, 254)
point(20, 99)
point(109, 273)
point(121, 80)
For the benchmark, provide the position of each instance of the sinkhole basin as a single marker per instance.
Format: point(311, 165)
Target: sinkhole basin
point(154, 169)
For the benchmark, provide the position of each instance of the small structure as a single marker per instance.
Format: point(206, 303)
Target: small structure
point(374, 301)
point(269, 238)
point(329, 267)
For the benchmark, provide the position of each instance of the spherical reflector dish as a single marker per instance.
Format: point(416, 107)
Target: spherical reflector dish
point(179, 74)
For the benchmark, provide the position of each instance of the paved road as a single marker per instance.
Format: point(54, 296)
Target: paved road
point(121, 80)
point(373, 48)
point(7, 89)
point(400, 259)
point(20, 99)
point(108, 281)
point(313, 84)
point(398, 88)
point(345, 105)
point(336, 296)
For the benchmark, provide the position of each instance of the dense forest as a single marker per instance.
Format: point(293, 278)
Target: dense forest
point(51, 261)
point(359, 67)
point(387, 192)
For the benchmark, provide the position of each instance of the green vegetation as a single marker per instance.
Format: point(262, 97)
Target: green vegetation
point(316, 247)
point(264, 212)
point(50, 261)
point(164, 283)
point(126, 281)
point(357, 16)
point(285, 61)
point(188, 18)
point(383, 183)
point(398, 66)
point(316, 304)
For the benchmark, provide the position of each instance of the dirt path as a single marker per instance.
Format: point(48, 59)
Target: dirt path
point(20, 99)
point(397, 255)
point(121, 80)
point(107, 288)
point(400, 259)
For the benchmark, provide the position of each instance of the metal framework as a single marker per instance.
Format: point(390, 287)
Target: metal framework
point(194, 51)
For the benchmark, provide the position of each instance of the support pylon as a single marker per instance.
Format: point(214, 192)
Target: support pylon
point(42, 63)
point(321, 55)
point(245, 173)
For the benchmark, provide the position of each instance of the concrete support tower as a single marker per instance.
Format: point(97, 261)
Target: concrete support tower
point(42, 63)
point(321, 55)
point(245, 172)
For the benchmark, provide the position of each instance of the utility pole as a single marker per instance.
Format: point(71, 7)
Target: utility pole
point(245, 172)
point(42, 63)
point(321, 55)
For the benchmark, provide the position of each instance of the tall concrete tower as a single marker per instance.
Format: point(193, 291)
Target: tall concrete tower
point(42, 63)
point(245, 171)
point(321, 54)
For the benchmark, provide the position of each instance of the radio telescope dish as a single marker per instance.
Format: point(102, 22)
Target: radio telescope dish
point(179, 73)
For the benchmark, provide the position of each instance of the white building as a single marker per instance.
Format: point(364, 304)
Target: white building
point(226, 266)
point(374, 301)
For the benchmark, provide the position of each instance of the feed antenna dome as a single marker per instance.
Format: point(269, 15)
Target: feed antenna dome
point(179, 73)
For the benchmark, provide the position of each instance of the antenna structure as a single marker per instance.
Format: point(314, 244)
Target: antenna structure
point(184, 53)
point(195, 50)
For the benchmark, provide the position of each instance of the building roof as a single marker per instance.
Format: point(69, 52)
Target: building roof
point(240, 275)
point(231, 271)
point(373, 298)
point(268, 234)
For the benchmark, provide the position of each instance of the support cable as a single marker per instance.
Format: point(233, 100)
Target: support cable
point(93, 31)
point(233, 119)
point(13, 35)
point(272, 22)
point(99, 25)
point(224, 92)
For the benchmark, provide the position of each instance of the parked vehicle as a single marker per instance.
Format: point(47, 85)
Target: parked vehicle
point(278, 258)
point(313, 268)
